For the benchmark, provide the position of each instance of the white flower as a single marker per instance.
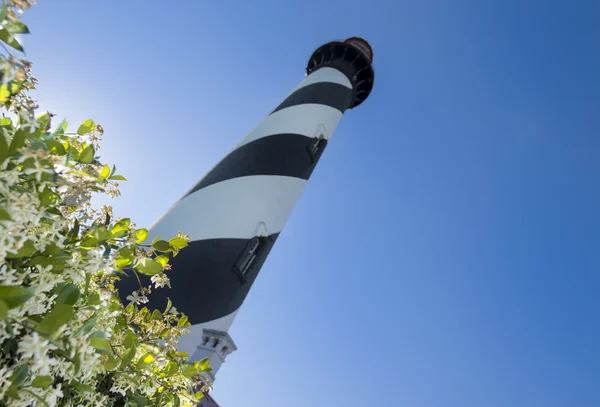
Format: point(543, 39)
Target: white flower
point(39, 170)
point(39, 304)
point(46, 280)
point(8, 276)
point(96, 261)
point(5, 380)
point(135, 298)
point(161, 280)
point(121, 384)
point(34, 347)
point(8, 74)
point(89, 359)
point(44, 366)
point(4, 334)
point(52, 395)
point(30, 123)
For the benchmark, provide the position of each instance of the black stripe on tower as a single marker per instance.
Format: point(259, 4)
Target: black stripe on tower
point(321, 93)
point(290, 155)
point(206, 286)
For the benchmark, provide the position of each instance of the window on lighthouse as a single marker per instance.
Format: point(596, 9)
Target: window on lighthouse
point(315, 147)
point(249, 255)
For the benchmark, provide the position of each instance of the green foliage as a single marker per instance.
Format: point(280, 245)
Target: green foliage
point(86, 127)
point(13, 296)
point(66, 338)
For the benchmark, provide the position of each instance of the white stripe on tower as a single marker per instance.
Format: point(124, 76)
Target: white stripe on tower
point(235, 213)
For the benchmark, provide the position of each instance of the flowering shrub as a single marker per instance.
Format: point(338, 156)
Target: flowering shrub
point(65, 337)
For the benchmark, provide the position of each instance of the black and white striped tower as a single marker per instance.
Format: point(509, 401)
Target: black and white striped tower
point(235, 213)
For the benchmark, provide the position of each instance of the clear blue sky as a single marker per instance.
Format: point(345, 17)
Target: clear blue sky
point(446, 250)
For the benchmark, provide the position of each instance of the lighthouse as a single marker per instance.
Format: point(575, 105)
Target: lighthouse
point(235, 214)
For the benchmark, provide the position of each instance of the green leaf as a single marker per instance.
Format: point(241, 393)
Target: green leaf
point(20, 375)
point(86, 127)
point(156, 315)
point(98, 236)
point(145, 361)
point(57, 317)
point(94, 299)
point(13, 296)
point(138, 401)
point(73, 233)
point(47, 197)
point(83, 388)
point(183, 321)
point(42, 381)
point(111, 363)
point(3, 310)
point(3, 11)
point(70, 152)
point(169, 305)
point(43, 121)
point(4, 93)
point(86, 288)
point(140, 235)
point(118, 178)
point(98, 340)
point(87, 155)
point(18, 141)
point(121, 228)
point(163, 260)
point(89, 242)
point(162, 246)
point(87, 327)
point(103, 234)
point(171, 368)
point(188, 371)
point(4, 215)
point(176, 400)
point(55, 147)
point(203, 365)
point(178, 242)
point(3, 148)
point(68, 295)
point(37, 145)
point(13, 392)
point(104, 172)
point(128, 357)
point(57, 264)
point(77, 363)
point(53, 249)
point(148, 267)
point(61, 128)
point(26, 251)
point(123, 261)
point(127, 252)
point(16, 27)
point(9, 39)
point(130, 340)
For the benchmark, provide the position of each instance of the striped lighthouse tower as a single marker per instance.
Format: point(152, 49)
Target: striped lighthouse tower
point(235, 213)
